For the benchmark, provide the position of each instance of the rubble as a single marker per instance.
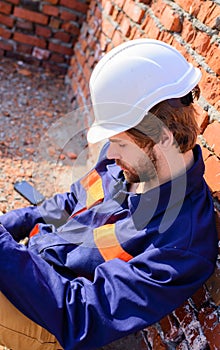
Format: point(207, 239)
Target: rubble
point(31, 101)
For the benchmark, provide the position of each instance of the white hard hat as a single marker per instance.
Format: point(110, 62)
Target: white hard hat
point(132, 78)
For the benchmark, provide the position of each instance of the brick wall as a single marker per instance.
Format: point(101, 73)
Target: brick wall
point(193, 28)
point(41, 32)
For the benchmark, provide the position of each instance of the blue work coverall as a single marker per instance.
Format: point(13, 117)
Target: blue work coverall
point(102, 262)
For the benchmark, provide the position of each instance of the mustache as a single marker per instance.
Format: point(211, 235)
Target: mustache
point(122, 164)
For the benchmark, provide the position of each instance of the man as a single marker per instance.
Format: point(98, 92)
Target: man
point(135, 237)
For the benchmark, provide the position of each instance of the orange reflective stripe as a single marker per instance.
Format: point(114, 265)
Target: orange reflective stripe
point(77, 213)
point(108, 244)
point(34, 231)
point(93, 186)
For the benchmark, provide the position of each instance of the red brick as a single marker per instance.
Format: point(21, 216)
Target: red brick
point(120, 16)
point(145, 1)
point(166, 36)
point(5, 46)
point(201, 43)
point(68, 16)
point(80, 57)
point(211, 327)
point(212, 171)
point(103, 42)
point(202, 118)
point(57, 58)
point(5, 8)
point(50, 10)
point(70, 28)
point(200, 297)
point(74, 85)
point(116, 15)
point(117, 38)
point(188, 31)
point(211, 19)
point(97, 13)
point(217, 105)
point(87, 71)
point(138, 35)
point(125, 26)
point(62, 36)
point(108, 28)
point(30, 15)
point(213, 284)
point(26, 25)
point(132, 33)
point(15, 2)
point(134, 11)
point(158, 7)
point(145, 22)
point(60, 49)
point(84, 44)
point(4, 33)
point(7, 21)
point(171, 20)
point(210, 87)
point(55, 23)
point(86, 91)
point(211, 135)
point(27, 49)
point(120, 3)
point(205, 11)
point(213, 59)
point(151, 30)
point(108, 8)
point(53, 2)
point(170, 329)
point(187, 318)
point(29, 39)
point(190, 6)
point(154, 339)
point(181, 48)
point(43, 31)
point(75, 5)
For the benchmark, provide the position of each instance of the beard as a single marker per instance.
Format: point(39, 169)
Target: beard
point(145, 170)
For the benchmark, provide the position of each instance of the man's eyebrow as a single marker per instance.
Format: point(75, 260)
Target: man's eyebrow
point(117, 140)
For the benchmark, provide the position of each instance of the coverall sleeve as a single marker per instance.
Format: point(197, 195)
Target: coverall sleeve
point(54, 211)
point(123, 297)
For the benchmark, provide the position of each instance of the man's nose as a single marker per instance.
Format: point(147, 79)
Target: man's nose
point(112, 152)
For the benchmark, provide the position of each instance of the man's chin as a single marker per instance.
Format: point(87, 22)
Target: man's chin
point(130, 178)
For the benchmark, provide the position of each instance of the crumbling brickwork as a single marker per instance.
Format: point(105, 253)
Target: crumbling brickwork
point(41, 32)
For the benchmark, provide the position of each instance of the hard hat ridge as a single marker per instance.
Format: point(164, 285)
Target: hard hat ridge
point(131, 79)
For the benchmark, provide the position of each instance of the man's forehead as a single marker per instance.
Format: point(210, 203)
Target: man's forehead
point(123, 136)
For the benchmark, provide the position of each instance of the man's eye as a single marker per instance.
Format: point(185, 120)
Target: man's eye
point(121, 144)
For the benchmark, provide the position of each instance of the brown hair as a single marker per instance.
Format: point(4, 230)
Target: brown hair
point(179, 120)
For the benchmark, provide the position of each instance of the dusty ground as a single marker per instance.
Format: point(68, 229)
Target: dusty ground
point(39, 140)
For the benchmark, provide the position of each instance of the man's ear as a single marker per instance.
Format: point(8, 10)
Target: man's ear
point(166, 139)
